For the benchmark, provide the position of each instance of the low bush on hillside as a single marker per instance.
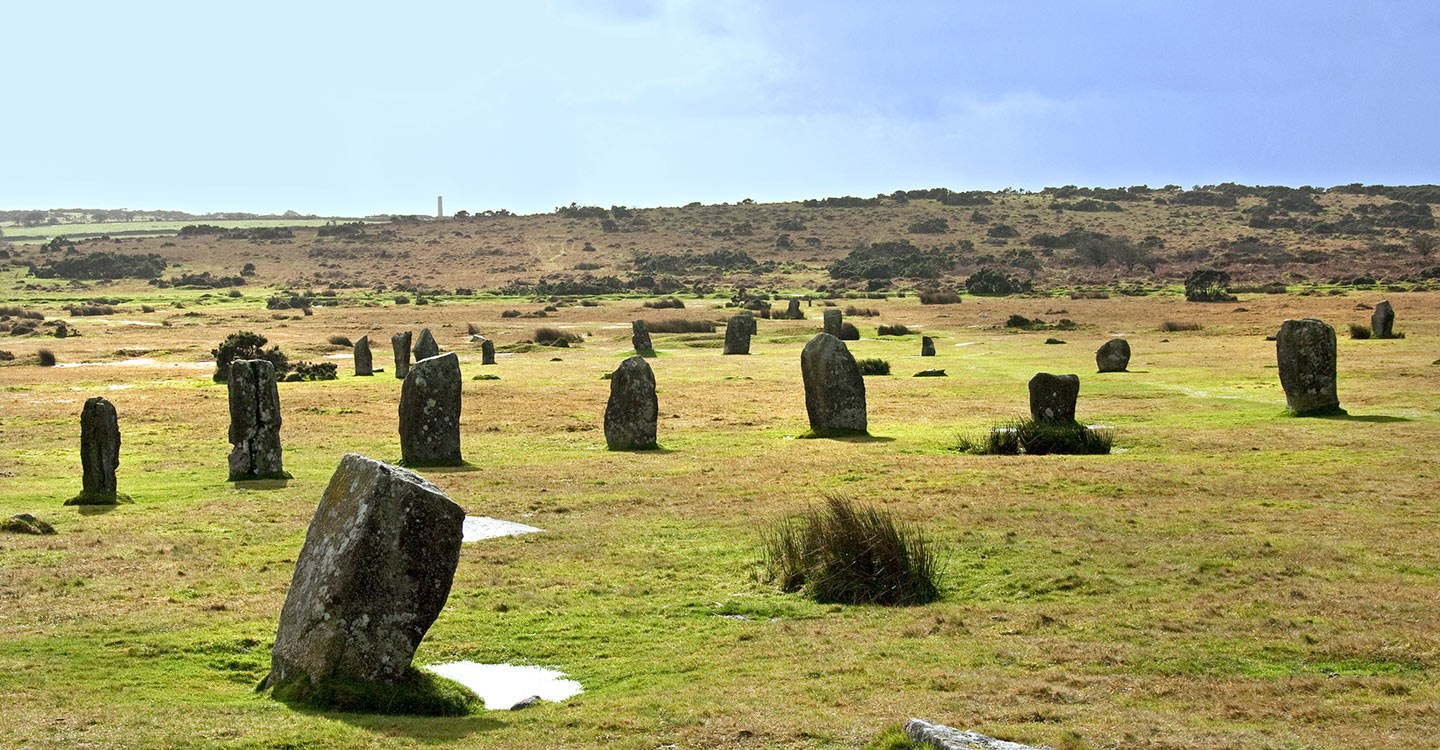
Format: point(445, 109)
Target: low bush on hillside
point(102, 265)
point(873, 366)
point(994, 283)
point(246, 345)
point(1208, 285)
point(886, 260)
point(551, 336)
point(862, 312)
point(306, 371)
point(668, 303)
point(1171, 326)
point(848, 332)
point(939, 298)
point(45, 358)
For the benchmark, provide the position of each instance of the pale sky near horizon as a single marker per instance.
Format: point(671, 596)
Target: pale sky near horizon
point(362, 107)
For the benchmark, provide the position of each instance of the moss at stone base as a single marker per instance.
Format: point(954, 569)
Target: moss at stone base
point(418, 693)
point(260, 477)
point(1329, 411)
point(830, 434)
point(98, 498)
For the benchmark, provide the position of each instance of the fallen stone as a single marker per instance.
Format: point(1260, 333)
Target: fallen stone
point(942, 737)
point(632, 413)
point(430, 413)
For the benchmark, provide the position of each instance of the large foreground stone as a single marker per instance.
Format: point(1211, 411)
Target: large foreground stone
point(99, 454)
point(1305, 350)
point(941, 737)
point(737, 334)
point(1382, 321)
point(632, 413)
point(364, 363)
point(430, 413)
point(375, 571)
point(254, 421)
point(640, 339)
point(1113, 356)
point(400, 345)
point(1053, 397)
point(425, 346)
point(834, 388)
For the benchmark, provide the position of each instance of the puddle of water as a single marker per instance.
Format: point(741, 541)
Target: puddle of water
point(502, 686)
point(340, 355)
point(480, 527)
point(968, 343)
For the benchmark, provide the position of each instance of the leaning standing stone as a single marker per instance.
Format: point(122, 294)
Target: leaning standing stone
point(640, 339)
point(376, 569)
point(99, 454)
point(1113, 356)
point(1382, 321)
point(1052, 397)
point(737, 334)
point(834, 388)
point(425, 346)
point(632, 413)
point(927, 346)
point(487, 352)
point(430, 413)
point(254, 421)
point(364, 365)
point(833, 319)
point(1305, 350)
point(400, 343)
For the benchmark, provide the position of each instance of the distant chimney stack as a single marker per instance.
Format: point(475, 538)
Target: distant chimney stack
point(439, 206)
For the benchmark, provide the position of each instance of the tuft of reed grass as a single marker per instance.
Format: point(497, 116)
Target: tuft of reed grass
point(861, 312)
point(667, 303)
point(1170, 326)
point(680, 325)
point(848, 331)
point(873, 366)
point(45, 357)
point(939, 298)
point(1038, 438)
point(338, 340)
point(552, 336)
point(1359, 331)
point(893, 330)
point(848, 554)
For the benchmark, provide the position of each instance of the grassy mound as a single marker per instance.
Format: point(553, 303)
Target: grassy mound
point(418, 693)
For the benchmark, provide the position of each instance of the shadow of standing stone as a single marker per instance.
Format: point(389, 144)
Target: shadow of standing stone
point(1053, 397)
point(633, 412)
point(430, 413)
point(834, 388)
point(400, 344)
point(254, 422)
point(1305, 351)
point(99, 454)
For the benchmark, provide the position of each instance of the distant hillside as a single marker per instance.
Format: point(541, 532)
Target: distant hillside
point(1058, 238)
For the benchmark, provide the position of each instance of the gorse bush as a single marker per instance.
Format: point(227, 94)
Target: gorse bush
point(246, 345)
point(893, 330)
point(873, 366)
point(551, 336)
point(1208, 285)
point(846, 554)
point(305, 371)
point(45, 358)
point(20, 312)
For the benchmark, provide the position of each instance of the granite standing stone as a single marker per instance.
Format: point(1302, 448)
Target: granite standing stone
point(430, 413)
point(364, 365)
point(633, 412)
point(400, 343)
point(1382, 321)
point(792, 309)
point(1052, 397)
point(425, 346)
point(737, 334)
point(640, 339)
point(487, 352)
point(1113, 356)
point(375, 571)
point(927, 346)
point(833, 319)
point(834, 388)
point(99, 454)
point(254, 421)
point(1305, 350)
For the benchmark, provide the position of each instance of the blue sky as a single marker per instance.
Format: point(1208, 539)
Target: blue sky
point(365, 107)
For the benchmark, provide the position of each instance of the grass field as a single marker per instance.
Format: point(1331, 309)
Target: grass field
point(1229, 577)
point(28, 235)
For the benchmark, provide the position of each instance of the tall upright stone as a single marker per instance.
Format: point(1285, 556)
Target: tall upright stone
point(1305, 350)
point(375, 571)
point(364, 364)
point(737, 334)
point(430, 413)
point(633, 412)
point(400, 344)
point(487, 352)
point(640, 339)
point(792, 310)
point(425, 346)
point(833, 319)
point(254, 421)
point(1053, 397)
point(99, 454)
point(834, 388)
point(1382, 321)
point(927, 346)
point(1113, 356)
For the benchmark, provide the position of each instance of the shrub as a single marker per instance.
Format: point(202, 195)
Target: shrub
point(20, 312)
point(668, 303)
point(91, 309)
point(989, 281)
point(680, 325)
point(1002, 231)
point(846, 554)
point(930, 226)
point(305, 371)
point(1171, 326)
point(102, 265)
point(939, 298)
point(1208, 285)
point(1358, 331)
point(848, 331)
point(1038, 438)
point(873, 366)
point(6, 356)
point(885, 260)
point(246, 345)
point(552, 336)
point(862, 312)
point(338, 340)
point(45, 357)
point(893, 330)
point(510, 314)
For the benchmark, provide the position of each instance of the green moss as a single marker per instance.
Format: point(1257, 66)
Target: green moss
point(417, 693)
point(88, 497)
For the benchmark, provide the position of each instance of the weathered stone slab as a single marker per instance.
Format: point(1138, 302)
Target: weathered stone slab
point(927, 346)
point(400, 345)
point(1305, 350)
point(425, 346)
point(1382, 321)
point(942, 737)
point(364, 364)
point(640, 339)
point(834, 387)
point(1053, 397)
point(254, 422)
point(833, 319)
point(99, 454)
point(1113, 356)
point(487, 352)
point(738, 331)
point(430, 413)
point(633, 411)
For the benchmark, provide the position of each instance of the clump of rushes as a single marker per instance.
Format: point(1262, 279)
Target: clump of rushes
point(1037, 438)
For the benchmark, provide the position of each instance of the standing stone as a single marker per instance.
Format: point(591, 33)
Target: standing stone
point(927, 346)
point(254, 421)
point(737, 334)
point(375, 571)
point(632, 413)
point(792, 311)
point(1382, 321)
point(364, 365)
point(1306, 353)
point(1113, 356)
point(400, 343)
point(99, 454)
point(430, 413)
point(1052, 397)
point(834, 388)
point(425, 346)
point(833, 319)
point(640, 339)
point(487, 352)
